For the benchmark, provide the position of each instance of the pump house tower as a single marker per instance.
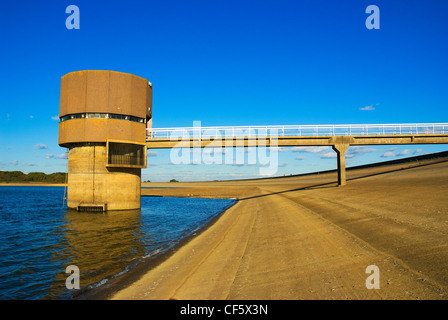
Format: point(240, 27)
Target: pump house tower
point(103, 120)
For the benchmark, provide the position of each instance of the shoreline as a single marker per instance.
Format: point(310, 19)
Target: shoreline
point(117, 283)
point(430, 158)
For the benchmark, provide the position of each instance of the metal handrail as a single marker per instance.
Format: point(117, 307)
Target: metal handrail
point(300, 130)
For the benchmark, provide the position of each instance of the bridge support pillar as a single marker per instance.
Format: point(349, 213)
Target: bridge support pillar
point(340, 151)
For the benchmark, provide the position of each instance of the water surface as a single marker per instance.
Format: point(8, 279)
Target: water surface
point(40, 238)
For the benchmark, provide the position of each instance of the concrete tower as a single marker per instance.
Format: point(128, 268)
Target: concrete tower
point(103, 120)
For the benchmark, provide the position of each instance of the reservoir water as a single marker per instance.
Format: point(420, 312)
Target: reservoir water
point(40, 238)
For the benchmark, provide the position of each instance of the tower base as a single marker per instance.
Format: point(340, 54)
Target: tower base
point(92, 186)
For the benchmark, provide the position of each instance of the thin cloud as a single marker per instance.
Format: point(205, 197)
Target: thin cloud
point(275, 149)
point(49, 156)
point(300, 158)
point(40, 146)
point(358, 150)
point(62, 156)
point(388, 154)
point(368, 108)
point(151, 164)
point(243, 164)
point(310, 149)
point(152, 153)
point(328, 155)
point(405, 152)
point(55, 118)
point(220, 151)
point(15, 162)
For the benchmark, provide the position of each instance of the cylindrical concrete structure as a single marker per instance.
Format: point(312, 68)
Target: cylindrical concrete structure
point(104, 115)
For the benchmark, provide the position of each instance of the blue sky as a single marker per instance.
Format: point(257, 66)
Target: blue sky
point(226, 62)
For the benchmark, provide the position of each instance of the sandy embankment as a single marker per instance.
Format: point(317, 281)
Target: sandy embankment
point(305, 238)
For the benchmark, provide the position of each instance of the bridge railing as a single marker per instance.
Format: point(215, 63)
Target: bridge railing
point(299, 130)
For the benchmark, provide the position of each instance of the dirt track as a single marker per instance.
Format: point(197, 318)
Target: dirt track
point(306, 238)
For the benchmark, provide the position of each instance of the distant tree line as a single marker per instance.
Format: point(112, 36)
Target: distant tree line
point(19, 176)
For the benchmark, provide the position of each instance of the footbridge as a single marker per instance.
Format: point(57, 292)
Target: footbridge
point(339, 137)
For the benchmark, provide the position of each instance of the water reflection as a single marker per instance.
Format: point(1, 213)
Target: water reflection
point(100, 245)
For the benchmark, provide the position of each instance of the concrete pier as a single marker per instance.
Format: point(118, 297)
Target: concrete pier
point(340, 151)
